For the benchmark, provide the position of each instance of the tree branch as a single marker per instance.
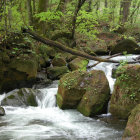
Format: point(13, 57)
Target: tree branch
point(67, 49)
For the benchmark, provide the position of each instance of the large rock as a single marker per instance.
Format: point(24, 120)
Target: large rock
point(96, 97)
point(2, 111)
point(54, 73)
point(70, 89)
point(132, 130)
point(59, 61)
point(87, 91)
point(19, 72)
point(126, 45)
point(126, 94)
point(78, 63)
point(21, 97)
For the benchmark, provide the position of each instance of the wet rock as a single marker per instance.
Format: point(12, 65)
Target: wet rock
point(2, 111)
point(95, 100)
point(86, 91)
point(132, 130)
point(54, 73)
point(126, 45)
point(47, 51)
point(126, 94)
point(114, 71)
point(59, 61)
point(41, 80)
point(21, 97)
point(70, 90)
point(18, 73)
point(78, 63)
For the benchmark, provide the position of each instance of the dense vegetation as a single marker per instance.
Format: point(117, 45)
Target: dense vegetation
point(71, 18)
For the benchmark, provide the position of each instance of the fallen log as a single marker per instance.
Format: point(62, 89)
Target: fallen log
point(67, 49)
point(106, 58)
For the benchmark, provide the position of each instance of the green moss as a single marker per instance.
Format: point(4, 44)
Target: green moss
point(31, 100)
point(59, 100)
point(11, 97)
point(78, 63)
point(20, 93)
point(85, 111)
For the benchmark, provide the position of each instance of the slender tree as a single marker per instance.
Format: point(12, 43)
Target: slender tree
point(62, 5)
point(77, 9)
point(43, 6)
point(29, 9)
point(106, 3)
point(124, 10)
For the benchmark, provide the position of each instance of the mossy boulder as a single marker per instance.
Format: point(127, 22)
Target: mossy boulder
point(46, 51)
point(126, 94)
point(96, 97)
point(86, 91)
point(2, 111)
point(132, 130)
point(126, 45)
point(78, 63)
point(28, 66)
point(70, 90)
point(20, 71)
point(21, 97)
point(59, 61)
point(54, 73)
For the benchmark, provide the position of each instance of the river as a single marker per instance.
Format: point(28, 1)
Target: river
point(48, 122)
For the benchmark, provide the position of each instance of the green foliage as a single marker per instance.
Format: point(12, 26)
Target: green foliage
point(51, 17)
point(86, 24)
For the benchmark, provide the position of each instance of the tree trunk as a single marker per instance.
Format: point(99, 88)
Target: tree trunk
point(5, 17)
point(106, 4)
point(135, 9)
point(30, 15)
point(79, 5)
point(89, 6)
point(68, 49)
point(62, 5)
point(65, 48)
point(34, 7)
point(124, 10)
point(1, 8)
point(43, 6)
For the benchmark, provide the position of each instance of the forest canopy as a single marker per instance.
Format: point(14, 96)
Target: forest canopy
point(82, 16)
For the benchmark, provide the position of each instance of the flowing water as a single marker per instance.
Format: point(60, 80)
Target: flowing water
point(48, 122)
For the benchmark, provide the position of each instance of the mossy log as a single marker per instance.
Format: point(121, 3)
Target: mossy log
point(66, 48)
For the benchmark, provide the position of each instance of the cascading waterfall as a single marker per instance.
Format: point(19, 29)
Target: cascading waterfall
point(47, 121)
point(107, 67)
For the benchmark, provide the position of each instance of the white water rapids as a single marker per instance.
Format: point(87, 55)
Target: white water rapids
point(48, 122)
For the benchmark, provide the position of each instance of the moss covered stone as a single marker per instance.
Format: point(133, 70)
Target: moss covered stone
point(55, 73)
point(18, 72)
point(70, 90)
point(2, 111)
point(132, 130)
point(78, 63)
point(126, 94)
point(29, 66)
point(86, 91)
point(59, 61)
point(97, 95)
point(21, 97)
point(126, 45)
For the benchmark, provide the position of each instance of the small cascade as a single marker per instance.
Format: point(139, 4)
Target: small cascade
point(47, 121)
point(107, 67)
point(48, 98)
point(2, 97)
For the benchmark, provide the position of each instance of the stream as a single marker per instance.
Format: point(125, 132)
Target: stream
point(48, 122)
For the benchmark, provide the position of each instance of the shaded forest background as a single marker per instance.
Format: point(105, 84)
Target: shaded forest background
point(78, 23)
